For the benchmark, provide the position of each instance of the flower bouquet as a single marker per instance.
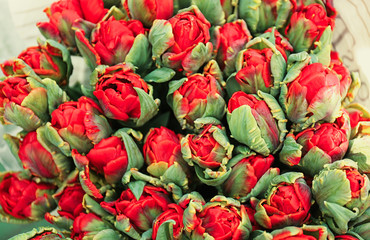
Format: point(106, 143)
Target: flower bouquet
point(201, 119)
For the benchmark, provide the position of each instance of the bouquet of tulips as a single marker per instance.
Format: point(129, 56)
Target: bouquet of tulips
point(201, 119)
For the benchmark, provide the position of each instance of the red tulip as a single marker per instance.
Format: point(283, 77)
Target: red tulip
point(70, 201)
point(162, 145)
point(64, 13)
point(25, 199)
point(175, 213)
point(343, 73)
point(116, 94)
point(142, 212)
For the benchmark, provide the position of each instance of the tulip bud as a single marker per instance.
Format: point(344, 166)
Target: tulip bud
point(48, 60)
point(123, 95)
point(287, 203)
point(310, 94)
point(314, 147)
point(23, 199)
point(197, 96)
point(183, 42)
point(23, 104)
point(208, 152)
point(256, 122)
point(342, 194)
point(261, 15)
point(232, 220)
point(148, 11)
point(42, 233)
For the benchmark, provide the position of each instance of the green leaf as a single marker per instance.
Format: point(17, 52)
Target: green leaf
point(248, 10)
point(139, 54)
point(160, 75)
point(212, 11)
point(37, 101)
point(160, 37)
point(21, 116)
point(331, 186)
point(137, 188)
point(135, 158)
point(148, 107)
point(165, 230)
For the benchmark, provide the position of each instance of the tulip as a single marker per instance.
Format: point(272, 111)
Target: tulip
point(173, 216)
point(78, 125)
point(142, 211)
point(42, 162)
point(198, 96)
point(261, 15)
point(245, 175)
point(148, 11)
point(221, 218)
point(64, 13)
point(42, 233)
point(182, 42)
point(307, 25)
point(24, 199)
point(312, 96)
point(23, 104)
point(314, 147)
point(231, 39)
point(306, 232)
point(288, 202)
point(208, 152)
point(339, 189)
point(87, 226)
point(113, 42)
point(264, 116)
point(48, 60)
point(281, 43)
point(121, 94)
point(259, 67)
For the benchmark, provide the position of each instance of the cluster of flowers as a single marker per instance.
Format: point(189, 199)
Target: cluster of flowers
point(201, 119)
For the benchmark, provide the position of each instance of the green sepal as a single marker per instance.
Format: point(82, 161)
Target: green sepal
point(135, 158)
point(323, 47)
point(358, 151)
point(38, 231)
point(139, 54)
point(91, 205)
point(295, 63)
point(49, 135)
point(244, 129)
point(137, 188)
point(66, 56)
point(60, 222)
point(331, 186)
point(163, 182)
point(37, 101)
point(7, 218)
point(212, 11)
point(13, 144)
point(214, 69)
point(56, 95)
point(212, 177)
point(262, 185)
point(248, 11)
point(148, 107)
point(20, 116)
point(291, 151)
point(89, 54)
point(123, 224)
point(200, 54)
point(161, 38)
point(165, 230)
point(107, 234)
point(147, 235)
point(284, 9)
point(314, 160)
point(172, 87)
point(160, 75)
point(337, 216)
point(117, 13)
point(200, 123)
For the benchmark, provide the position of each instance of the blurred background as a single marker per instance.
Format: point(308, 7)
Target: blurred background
point(18, 31)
